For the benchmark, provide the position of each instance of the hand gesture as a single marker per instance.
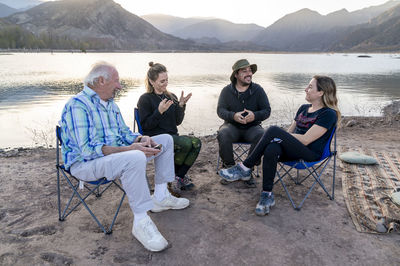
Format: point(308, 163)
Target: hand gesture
point(250, 116)
point(164, 105)
point(183, 100)
point(238, 117)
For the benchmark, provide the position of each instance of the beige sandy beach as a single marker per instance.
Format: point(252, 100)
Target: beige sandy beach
point(219, 227)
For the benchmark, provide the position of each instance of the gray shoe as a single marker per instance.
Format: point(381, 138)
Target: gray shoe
point(235, 173)
point(265, 203)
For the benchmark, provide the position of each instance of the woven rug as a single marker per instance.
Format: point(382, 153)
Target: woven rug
point(367, 190)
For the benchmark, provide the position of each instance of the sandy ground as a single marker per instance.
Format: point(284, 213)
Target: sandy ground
point(219, 227)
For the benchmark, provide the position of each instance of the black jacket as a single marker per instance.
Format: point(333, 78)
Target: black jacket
point(154, 123)
point(254, 99)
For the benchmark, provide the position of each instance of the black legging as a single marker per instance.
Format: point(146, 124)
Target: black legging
point(288, 148)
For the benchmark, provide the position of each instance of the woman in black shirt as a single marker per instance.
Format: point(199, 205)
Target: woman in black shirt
point(305, 139)
point(160, 113)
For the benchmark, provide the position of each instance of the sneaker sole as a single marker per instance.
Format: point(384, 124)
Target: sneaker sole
point(224, 182)
point(152, 250)
point(170, 208)
point(233, 180)
point(189, 187)
point(247, 178)
point(261, 214)
point(266, 213)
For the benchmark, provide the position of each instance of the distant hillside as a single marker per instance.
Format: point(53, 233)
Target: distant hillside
point(100, 24)
point(170, 24)
point(307, 30)
point(105, 25)
point(222, 30)
point(380, 34)
point(5, 10)
point(21, 4)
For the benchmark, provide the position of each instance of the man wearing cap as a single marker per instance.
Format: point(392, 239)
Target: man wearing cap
point(243, 105)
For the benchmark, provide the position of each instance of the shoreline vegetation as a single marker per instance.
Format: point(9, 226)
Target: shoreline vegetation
point(391, 119)
point(360, 53)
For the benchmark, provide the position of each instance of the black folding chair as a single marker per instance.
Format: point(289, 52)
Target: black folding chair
point(315, 169)
point(96, 188)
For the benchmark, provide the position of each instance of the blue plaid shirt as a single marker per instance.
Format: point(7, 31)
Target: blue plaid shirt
point(87, 125)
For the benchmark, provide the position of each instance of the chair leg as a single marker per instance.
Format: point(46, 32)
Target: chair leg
point(287, 192)
point(82, 201)
point(333, 175)
point(219, 158)
point(109, 231)
point(58, 194)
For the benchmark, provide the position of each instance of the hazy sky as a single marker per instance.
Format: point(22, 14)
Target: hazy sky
point(261, 12)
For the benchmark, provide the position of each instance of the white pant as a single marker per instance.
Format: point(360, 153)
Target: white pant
point(130, 167)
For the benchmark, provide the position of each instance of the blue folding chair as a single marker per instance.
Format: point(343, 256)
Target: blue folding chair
point(315, 169)
point(136, 121)
point(90, 188)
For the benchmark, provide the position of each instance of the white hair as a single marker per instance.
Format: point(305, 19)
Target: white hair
point(99, 69)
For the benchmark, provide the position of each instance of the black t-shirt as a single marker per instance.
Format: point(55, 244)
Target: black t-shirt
point(324, 117)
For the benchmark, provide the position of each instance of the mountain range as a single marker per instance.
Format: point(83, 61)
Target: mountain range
point(204, 28)
point(104, 24)
point(307, 30)
point(380, 34)
point(6, 10)
point(21, 4)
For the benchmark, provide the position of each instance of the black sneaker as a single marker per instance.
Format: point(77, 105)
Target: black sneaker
point(186, 183)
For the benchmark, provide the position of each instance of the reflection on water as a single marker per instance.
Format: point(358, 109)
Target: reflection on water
point(35, 87)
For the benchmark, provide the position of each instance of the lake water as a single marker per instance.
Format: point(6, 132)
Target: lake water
point(35, 86)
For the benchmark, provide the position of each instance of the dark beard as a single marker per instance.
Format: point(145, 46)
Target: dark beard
point(243, 83)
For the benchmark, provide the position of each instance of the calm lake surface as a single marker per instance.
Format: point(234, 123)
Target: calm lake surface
point(35, 86)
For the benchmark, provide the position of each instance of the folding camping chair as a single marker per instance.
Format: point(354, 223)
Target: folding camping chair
point(136, 121)
point(240, 150)
point(312, 168)
point(96, 188)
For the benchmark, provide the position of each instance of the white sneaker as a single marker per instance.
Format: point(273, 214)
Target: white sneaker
point(146, 232)
point(169, 202)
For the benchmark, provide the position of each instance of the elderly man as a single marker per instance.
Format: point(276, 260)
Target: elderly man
point(243, 105)
point(97, 143)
